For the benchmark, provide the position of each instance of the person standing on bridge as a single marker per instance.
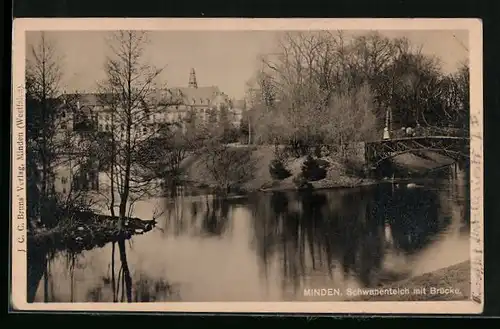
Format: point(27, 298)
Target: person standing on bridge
point(409, 131)
point(418, 130)
point(403, 131)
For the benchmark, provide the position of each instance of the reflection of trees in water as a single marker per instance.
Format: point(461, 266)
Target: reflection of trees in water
point(144, 289)
point(37, 263)
point(41, 272)
point(413, 216)
point(316, 230)
point(175, 222)
point(459, 194)
point(209, 216)
point(215, 219)
point(151, 290)
point(116, 286)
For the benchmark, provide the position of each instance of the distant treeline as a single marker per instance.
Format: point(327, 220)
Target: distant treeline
point(332, 88)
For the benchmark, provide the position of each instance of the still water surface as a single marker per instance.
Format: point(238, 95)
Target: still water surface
point(270, 246)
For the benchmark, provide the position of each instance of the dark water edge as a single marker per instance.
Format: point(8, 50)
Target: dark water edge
point(297, 239)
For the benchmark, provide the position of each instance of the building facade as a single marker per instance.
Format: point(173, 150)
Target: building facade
point(83, 113)
point(177, 104)
point(203, 104)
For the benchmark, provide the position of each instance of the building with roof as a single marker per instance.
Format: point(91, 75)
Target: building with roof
point(82, 112)
point(177, 104)
point(204, 104)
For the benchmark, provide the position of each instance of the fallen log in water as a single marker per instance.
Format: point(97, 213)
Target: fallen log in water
point(87, 230)
point(129, 222)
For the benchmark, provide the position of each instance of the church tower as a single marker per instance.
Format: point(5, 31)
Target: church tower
point(192, 79)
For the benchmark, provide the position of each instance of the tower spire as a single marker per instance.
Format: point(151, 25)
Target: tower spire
point(192, 79)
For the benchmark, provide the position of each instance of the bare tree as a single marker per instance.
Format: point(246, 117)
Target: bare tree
point(462, 96)
point(131, 96)
point(50, 147)
point(309, 73)
point(324, 75)
point(228, 166)
point(51, 137)
point(351, 119)
point(43, 75)
point(132, 99)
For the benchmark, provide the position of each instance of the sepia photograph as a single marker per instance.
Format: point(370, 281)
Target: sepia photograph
point(235, 165)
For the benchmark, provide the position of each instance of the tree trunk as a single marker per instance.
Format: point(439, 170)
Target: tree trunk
point(46, 282)
point(113, 280)
point(126, 271)
point(122, 249)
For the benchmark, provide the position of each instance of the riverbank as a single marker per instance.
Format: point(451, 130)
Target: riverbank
point(87, 231)
point(453, 281)
point(337, 174)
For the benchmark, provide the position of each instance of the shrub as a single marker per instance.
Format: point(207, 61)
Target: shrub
point(317, 151)
point(313, 170)
point(277, 170)
point(228, 167)
point(301, 182)
point(354, 168)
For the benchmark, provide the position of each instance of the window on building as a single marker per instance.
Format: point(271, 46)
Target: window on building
point(63, 125)
point(64, 190)
point(100, 127)
point(144, 130)
point(106, 127)
point(64, 180)
point(63, 114)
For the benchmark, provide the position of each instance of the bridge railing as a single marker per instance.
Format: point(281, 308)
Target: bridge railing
point(428, 131)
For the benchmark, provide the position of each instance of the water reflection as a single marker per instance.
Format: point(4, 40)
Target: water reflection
point(269, 246)
point(352, 231)
point(117, 284)
point(204, 216)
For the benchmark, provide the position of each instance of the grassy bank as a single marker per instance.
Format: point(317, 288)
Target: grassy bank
point(455, 277)
point(261, 179)
point(337, 175)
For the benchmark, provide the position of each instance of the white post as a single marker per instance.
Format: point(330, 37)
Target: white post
point(386, 128)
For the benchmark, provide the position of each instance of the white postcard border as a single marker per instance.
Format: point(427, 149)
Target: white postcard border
point(18, 142)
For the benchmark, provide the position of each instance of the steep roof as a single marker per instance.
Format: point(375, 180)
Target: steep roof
point(196, 96)
point(90, 99)
point(203, 96)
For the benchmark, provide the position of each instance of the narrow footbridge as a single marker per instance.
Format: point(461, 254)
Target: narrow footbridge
point(455, 147)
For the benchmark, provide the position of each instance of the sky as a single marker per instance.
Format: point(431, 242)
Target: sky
point(226, 59)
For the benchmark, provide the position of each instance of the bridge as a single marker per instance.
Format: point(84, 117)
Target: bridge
point(454, 147)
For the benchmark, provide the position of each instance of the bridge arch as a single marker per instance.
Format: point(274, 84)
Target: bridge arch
point(376, 153)
point(457, 156)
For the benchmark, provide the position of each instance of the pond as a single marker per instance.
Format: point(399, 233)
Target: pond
point(272, 246)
